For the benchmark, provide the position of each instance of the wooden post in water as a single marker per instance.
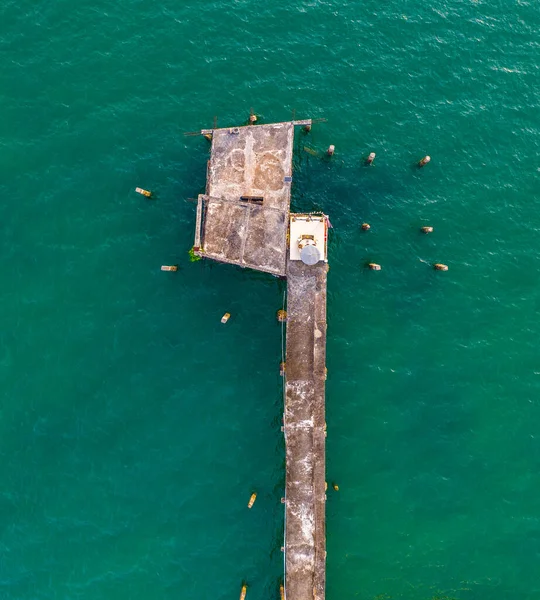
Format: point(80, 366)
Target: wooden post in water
point(243, 592)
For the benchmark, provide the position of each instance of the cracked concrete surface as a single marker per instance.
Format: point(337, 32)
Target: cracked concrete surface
point(304, 423)
point(249, 161)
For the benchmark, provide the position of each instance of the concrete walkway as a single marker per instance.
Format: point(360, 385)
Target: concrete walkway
point(305, 428)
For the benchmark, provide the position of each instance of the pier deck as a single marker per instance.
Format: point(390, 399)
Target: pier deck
point(305, 430)
point(248, 192)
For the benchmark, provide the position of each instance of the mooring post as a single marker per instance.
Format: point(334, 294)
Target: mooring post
point(143, 192)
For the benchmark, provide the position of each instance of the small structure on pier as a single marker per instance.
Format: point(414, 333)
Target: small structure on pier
point(308, 234)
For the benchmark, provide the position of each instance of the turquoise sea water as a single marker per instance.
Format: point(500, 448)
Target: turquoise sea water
point(134, 426)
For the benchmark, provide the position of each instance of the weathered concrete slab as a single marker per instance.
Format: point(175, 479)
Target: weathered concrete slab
point(304, 422)
point(244, 233)
point(248, 163)
point(224, 229)
point(252, 161)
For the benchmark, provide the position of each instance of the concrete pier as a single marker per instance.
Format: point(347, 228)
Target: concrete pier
point(248, 194)
point(304, 424)
point(244, 219)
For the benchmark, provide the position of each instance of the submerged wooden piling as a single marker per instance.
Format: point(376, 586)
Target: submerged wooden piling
point(143, 192)
point(243, 592)
point(440, 267)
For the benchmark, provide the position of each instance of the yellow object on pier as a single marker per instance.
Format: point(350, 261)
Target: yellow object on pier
point(143, 192)
point(243, 592)
point(252, 499)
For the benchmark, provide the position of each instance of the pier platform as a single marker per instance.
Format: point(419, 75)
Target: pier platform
point(305, 431)
point(248, 193)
